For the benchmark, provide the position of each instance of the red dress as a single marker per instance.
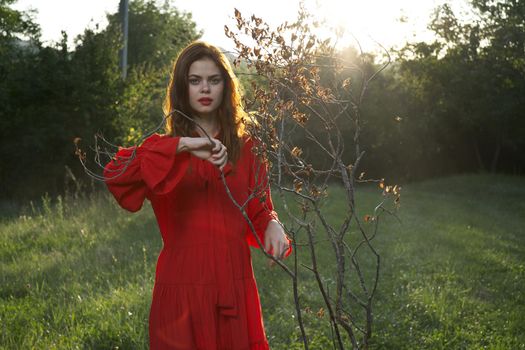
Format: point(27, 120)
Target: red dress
point(205, 295)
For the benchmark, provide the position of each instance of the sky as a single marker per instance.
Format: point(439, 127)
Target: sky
point(366, 20)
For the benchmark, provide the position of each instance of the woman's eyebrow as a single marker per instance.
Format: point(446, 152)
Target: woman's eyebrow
point(211, 76)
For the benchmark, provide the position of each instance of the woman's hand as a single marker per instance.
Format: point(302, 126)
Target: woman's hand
point(200, 147)
point(275, 241)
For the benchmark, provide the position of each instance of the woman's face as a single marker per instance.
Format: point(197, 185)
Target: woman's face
point(205, 87)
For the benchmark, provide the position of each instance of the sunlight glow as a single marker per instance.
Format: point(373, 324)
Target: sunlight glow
point(378, 19)
point(389, 23)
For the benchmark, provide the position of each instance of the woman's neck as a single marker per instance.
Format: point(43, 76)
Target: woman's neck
point(209, 124)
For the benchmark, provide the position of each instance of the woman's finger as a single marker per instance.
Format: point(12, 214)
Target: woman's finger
point(281, 251)
point(284, 249)
point(224, 162)
point(220, 162)
point(220, 153)
point(219, 157)
point(277, 253)
point(216, 162)
point(217, 146)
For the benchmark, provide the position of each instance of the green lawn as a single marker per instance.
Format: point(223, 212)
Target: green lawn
point(78, 274)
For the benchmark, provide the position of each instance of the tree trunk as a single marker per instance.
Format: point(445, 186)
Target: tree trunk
point(481, 166)
point(495, 157)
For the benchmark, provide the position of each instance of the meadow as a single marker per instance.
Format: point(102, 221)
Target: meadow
point(78, 273)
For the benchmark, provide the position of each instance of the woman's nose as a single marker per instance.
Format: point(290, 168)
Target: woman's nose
point(205, 86)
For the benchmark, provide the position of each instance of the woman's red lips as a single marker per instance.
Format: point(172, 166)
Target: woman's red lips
point(205, 101)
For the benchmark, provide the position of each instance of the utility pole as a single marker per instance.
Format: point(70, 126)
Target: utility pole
point(123, 11)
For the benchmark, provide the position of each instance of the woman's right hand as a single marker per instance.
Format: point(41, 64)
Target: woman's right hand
point(200, 147)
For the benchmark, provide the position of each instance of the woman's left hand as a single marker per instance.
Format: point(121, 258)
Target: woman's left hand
point(275, 240)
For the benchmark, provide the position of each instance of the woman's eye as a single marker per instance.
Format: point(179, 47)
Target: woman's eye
point(194, 81)
point(216, 81)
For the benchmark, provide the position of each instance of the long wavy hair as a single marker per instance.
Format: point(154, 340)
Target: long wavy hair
point(230, 112)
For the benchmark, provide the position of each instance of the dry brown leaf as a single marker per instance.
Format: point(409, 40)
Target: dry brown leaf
point(296, 151)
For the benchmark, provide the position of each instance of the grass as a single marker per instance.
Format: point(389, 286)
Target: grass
point(78, 274)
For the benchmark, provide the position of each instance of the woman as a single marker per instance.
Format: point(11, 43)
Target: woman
point(205, 295)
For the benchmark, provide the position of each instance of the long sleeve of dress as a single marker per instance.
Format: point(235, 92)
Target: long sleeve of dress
point(154, 167)
point(260, 208)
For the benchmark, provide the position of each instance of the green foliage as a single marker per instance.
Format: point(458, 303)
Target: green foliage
point(468, 87)
point(156, 32)
point(79, 273)
point(52, 95)
point(450, 106)
point(139, 107)
point(445, 107)
point(14, 23)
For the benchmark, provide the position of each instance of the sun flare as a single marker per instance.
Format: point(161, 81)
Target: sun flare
point(369, 22)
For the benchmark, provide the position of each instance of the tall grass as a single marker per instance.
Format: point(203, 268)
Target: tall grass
point(77, 274)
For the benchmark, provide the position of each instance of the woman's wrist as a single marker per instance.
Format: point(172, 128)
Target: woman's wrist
point(183, 145)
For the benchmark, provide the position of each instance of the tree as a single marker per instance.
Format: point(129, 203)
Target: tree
point(156, 32)
point(473, 80)
point(19, 39)
point(303, 99)
point(16, 25)
point(51, 96)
